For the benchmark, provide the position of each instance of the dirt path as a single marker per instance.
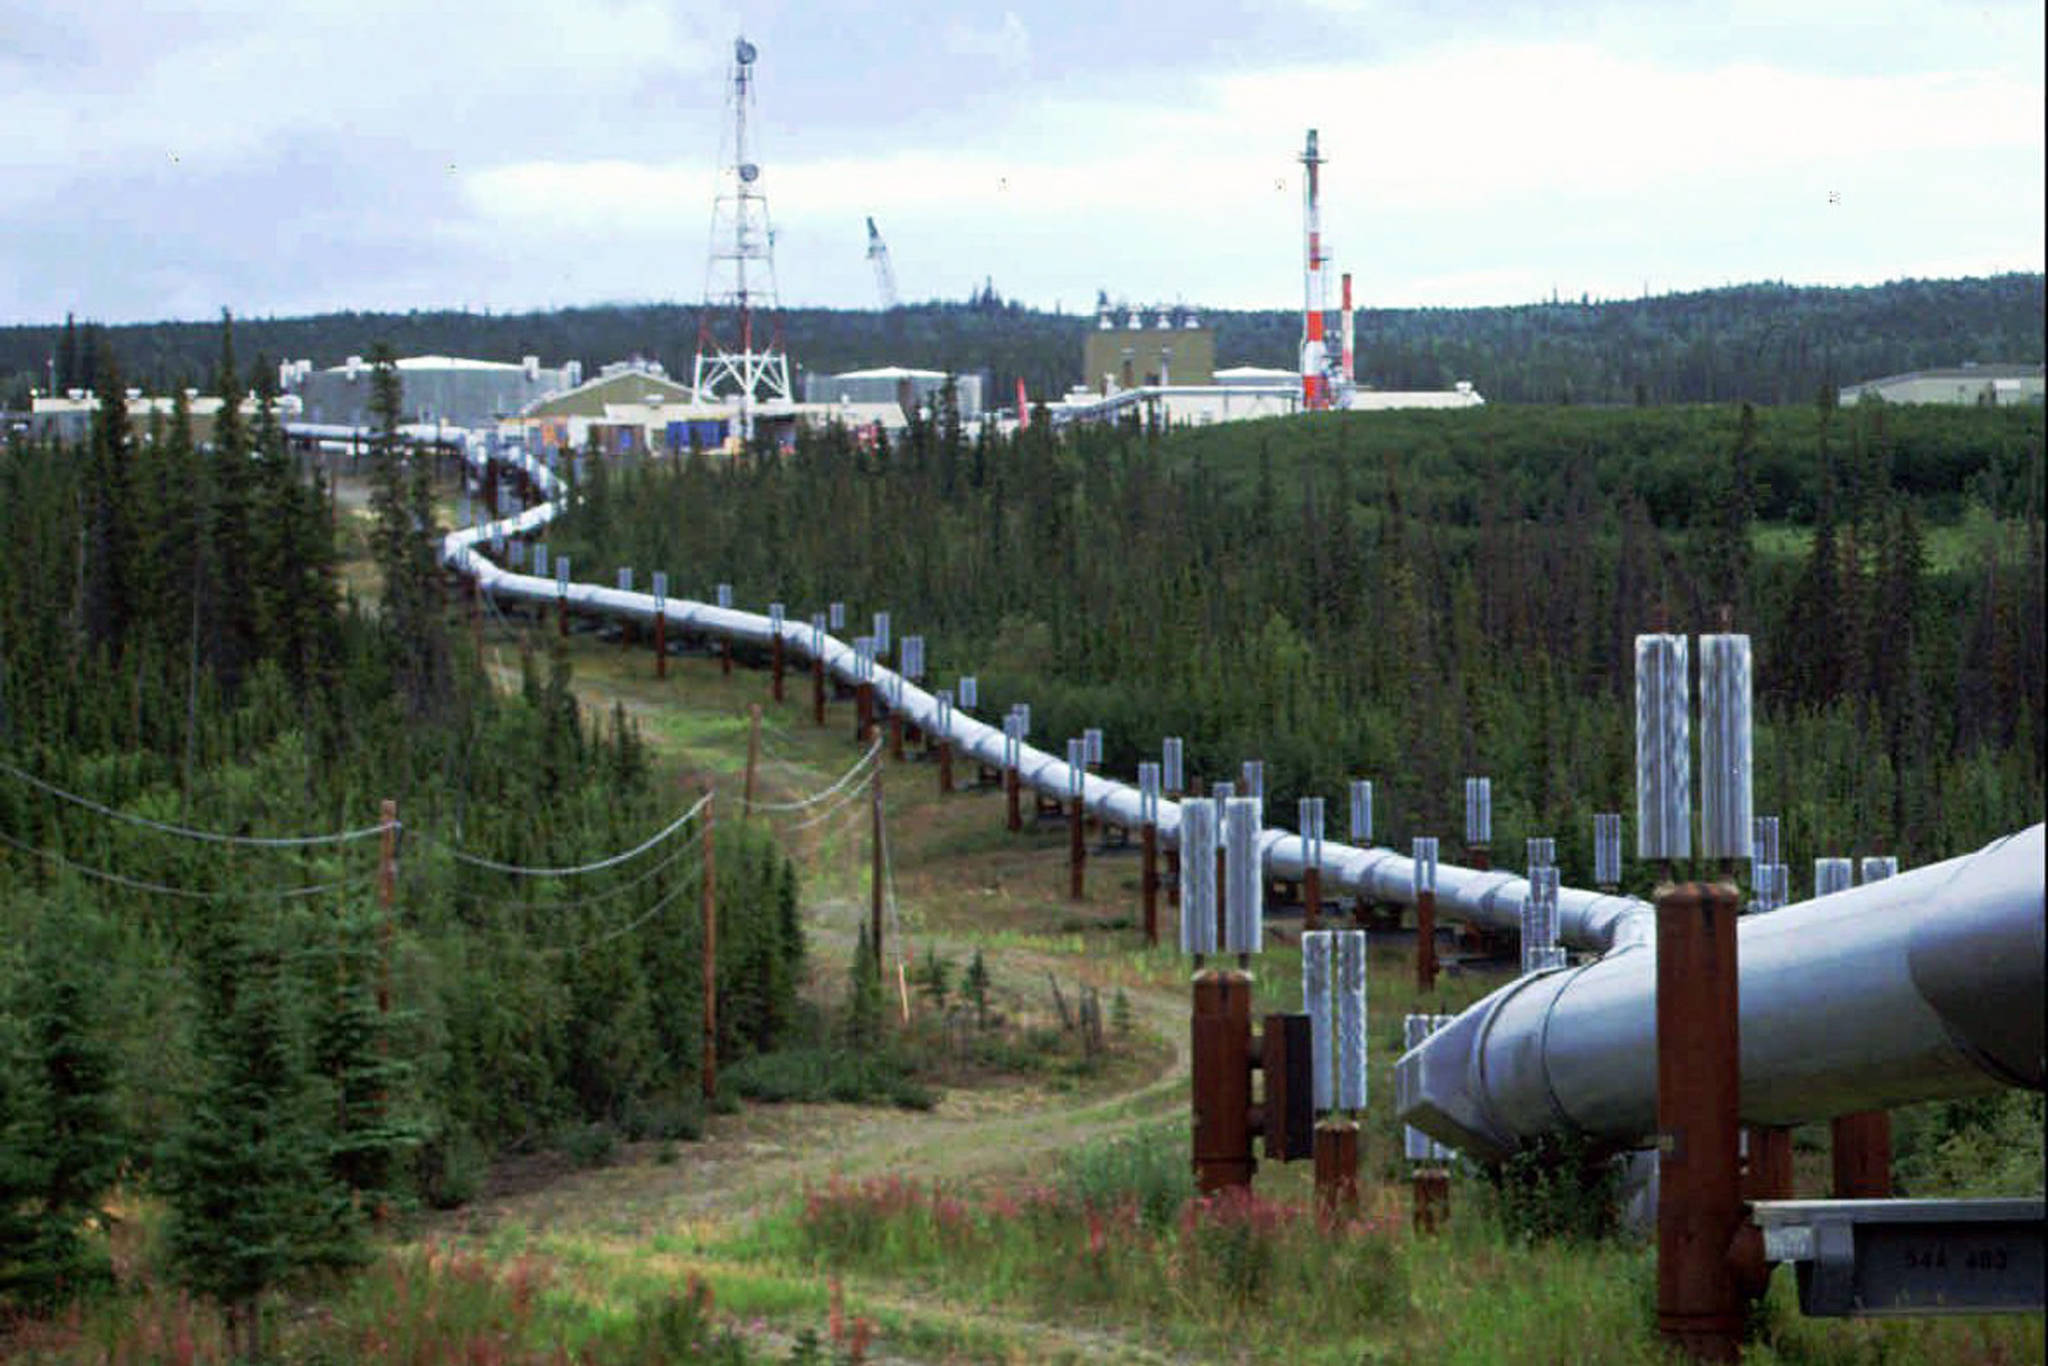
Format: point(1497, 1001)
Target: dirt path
point(747, 1162)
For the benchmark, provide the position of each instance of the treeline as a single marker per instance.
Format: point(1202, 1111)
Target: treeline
point(196, 1001)
point(1418, 597)
point(1766, 343)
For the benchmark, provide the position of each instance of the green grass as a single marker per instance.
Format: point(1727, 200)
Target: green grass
point(1952, 547)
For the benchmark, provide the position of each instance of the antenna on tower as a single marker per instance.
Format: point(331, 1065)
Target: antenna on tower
point(885, 274)
point(739, 342)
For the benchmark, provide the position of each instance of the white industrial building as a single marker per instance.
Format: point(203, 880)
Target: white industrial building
point(454, 390)
point(907, 388)
point(1971, 385)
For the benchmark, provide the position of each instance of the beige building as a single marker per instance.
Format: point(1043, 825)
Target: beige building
point(68, 417)
point(1137, 348)
point(1985, 386)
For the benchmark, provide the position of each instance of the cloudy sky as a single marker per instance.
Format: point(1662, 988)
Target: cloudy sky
point(286, 156)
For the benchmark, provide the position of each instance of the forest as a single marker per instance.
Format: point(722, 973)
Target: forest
point(1767, 343)
point(1415, 597)
point(209, 992)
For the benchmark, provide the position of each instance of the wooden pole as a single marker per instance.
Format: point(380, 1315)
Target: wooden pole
point(387, 901)
point(878, 875)
point(753, 758)
point(709, 912)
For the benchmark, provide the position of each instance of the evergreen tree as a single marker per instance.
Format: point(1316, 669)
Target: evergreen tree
point(110, 569)
point(229, 610)
point(864, 994)
point(249, 1202)
point(975, 988)
point(73, 1128)
point(25, 1279)
point(403, 541)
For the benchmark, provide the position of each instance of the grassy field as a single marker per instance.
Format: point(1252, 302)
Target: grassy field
point(1039, 1210)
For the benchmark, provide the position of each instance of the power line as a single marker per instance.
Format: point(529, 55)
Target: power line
point(647, 875)
point(579, 870)
point(186, 831)
point(859, 766)
point(187, 893)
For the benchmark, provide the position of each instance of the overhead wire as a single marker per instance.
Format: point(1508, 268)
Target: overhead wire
point(187, 893)
point(193, 832)
point(619, 931)
point(856, 770)
point(641, 879)
point(580, 869)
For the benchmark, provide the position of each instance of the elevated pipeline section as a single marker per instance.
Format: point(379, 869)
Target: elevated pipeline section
point(1924, 986)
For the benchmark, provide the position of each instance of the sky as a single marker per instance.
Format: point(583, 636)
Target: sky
point(280, 157)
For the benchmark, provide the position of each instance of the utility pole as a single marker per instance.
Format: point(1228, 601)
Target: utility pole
point(878, 875)
point(710, 917)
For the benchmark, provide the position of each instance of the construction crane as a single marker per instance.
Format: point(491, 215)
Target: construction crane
point(885, 274)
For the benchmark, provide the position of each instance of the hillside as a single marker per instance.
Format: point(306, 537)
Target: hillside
point(1768, 342)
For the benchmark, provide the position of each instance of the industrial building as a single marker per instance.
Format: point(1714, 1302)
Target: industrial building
point(1986, 386)
point(1161, 364)
point(444, 389)
point(906, 388)
point(1162, 346)
point(68, 417)
point(633, 408)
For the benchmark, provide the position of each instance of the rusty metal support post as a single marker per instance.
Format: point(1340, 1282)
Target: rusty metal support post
point(896, 735)
point(1862, 1155)
point(753, 758)
point(709, 913)
point(1173, 878)
point(878, 875)
point(864, 712)
point(1012, 794)
point(661, 642)
point(818, 691)
point(1077, 850)
point(1425, 941)
point(1431, 1188)
point(1699, 1076)
point(562, 615)
point(1148, 881)
point(1336, 1171)
point(725, 657)
point(1311, 897)
point(775, 657)
point(1222, 1080)
point(1767, 1173)
point(945, 767)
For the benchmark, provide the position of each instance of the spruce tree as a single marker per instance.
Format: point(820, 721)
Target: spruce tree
point(110, 571)
point(249, 1202)
point(73, 1128)
point(24, 1177)
point(230, 590)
